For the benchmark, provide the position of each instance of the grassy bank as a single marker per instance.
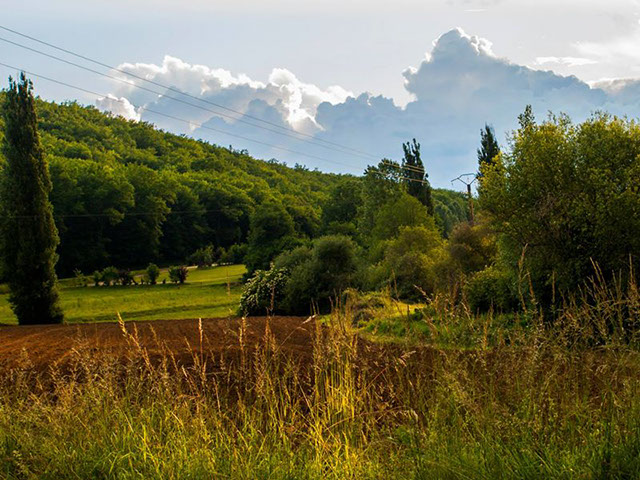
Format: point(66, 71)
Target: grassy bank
point(212, 292)
point(548, 408)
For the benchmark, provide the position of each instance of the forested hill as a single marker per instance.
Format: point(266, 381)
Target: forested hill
point(125, 193)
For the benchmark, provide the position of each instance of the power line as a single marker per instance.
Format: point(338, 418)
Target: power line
point(163, 95)
point(314, 140)
point(102, 64)
point(99, 95)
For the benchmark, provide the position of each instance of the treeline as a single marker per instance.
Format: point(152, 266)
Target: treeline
point(557, 223)
point(127, 194)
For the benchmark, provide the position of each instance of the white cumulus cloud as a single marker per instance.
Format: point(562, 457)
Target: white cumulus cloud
point(119, 106)
point(459, 85)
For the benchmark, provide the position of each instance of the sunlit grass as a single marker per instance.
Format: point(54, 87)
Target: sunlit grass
point(354, 412)
point(212, 292)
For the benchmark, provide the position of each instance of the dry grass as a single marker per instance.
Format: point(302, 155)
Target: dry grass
point(556, 403)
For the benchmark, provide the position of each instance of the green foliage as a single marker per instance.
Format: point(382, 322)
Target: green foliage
point(415, 177)
point(125, 193)
point(79, 279)
point(404, 211)
point(491, 288)
point(153, 272)
point(307, 278)
point(28, 233)
point(450, 209)
point(410, 261)
point(489, 148)
point(178, 274)
point(272, 231)
point(125, 277)
point(204, 257)
point(234, 254)
point(109, 276)
point(472, 248)
point(263, 292)
point(564, 195)
point(340, 211)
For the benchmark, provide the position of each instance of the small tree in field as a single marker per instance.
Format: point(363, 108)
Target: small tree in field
point(178, 274)
point(153, 272)
point(29, 237)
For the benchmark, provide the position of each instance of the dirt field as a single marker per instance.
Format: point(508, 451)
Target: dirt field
point(50, 345)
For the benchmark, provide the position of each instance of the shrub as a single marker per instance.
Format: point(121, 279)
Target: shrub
point(235, 254)
point(471, 248)
point(97, 277)
point(178, 274)
point(410, 261)
point(125, 277)
point(491, 288)
point(109, 275)
point(79, 279)
point(202, 257)
point(264, 291)
point(319, 274)
point(153, 272)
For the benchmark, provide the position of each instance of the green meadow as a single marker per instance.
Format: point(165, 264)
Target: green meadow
point(211, 292)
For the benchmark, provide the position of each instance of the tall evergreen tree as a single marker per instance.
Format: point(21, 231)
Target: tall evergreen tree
point(415, 175)
point(28, 233)
point(488, 146)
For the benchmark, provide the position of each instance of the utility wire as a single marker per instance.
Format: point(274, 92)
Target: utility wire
point(83, 57)
point(163, 95)
point(313, 141)
point(99, 95)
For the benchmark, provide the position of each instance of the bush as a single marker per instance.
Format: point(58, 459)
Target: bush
point(203, 257)
point(109, 275)
point(235, 254)
point(319, 274)
point(125, 277)
point(471, 248)
point(178, 274)
point(97, 278)
point(153, 272)
point(491, 288)
point(410, 261)
point(264, 291)
point(79, 279)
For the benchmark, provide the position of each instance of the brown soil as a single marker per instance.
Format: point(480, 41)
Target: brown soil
point(53, 345)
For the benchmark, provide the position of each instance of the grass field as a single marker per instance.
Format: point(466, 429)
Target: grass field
point(212, 292)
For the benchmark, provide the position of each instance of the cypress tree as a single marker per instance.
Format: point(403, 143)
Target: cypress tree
point(415, 175)
point(28, 233)
point(488, 146)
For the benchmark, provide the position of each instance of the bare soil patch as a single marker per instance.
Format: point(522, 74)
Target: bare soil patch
point(53, 345)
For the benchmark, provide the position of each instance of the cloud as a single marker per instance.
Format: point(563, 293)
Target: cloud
point(568, 61)
point(118, 106)
point(459, 85)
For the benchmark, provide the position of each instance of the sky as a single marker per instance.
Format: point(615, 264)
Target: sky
point(338, 84)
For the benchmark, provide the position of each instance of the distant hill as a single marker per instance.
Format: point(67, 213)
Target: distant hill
point(126, 193)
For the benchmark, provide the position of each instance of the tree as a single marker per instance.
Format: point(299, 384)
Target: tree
point(405, 211)
point(178, 274)
point(415, 176)
point(568, 196)
point(153, 272)
point(29, 234)
point(272, 232)
point(488, 147)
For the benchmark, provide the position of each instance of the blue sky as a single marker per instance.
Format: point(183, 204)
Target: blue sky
point(366, 74)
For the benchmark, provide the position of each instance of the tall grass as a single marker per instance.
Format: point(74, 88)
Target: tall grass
point(545, 406)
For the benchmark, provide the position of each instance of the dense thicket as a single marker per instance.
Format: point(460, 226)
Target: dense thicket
point(565, 199)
